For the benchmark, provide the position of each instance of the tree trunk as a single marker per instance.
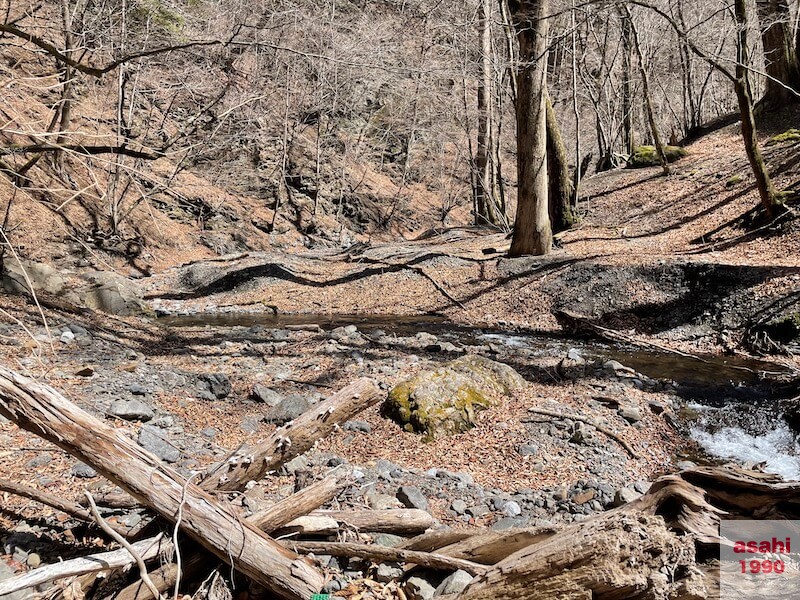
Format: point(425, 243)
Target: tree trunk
point(744, 94)
point(485, 199)
point(627, 105)
point(532, 232)
point(780, 53)
point(560, 188)
point(648, 103)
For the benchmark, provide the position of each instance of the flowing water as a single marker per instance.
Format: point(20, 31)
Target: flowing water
point(729, 409)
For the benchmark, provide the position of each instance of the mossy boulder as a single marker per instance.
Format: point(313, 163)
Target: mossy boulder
point(444, 401)
point(646, 156)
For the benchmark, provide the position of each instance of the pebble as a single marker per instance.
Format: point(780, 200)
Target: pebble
point(528, 450)
point(67, 337)
point(388, 571)
point(41, 460)
point(218, 384)
point(34, 560)
point(153, 439)
point(361, 426)
point(268, 396)
point(417, 588)
point(625, 495)
point(512, 509)
point(458, 506)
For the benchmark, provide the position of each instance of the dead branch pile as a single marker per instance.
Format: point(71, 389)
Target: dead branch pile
point(661, 545)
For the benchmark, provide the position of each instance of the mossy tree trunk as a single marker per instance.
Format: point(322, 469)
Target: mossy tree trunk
point(560, 186)
point(780, 53)
point(766, 189)
point(625, 14)
point(532, 232)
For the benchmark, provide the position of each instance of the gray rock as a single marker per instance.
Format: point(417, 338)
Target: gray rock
point(509, 523)
point(381, 501)
point(131, 410)
point(217, 383)
point(412, 497)
point(417, 588)
point(361, 426)
point(67, 337)
point(250, 424)
point(287, 410)
point(512, 509)
point(137, 389)
point(298, 463)
point(387, 539)
point(454, 583)
point(478, 510)
point(114, 294)
point(155, 440)
point(574, 355)
point(83, 471)
point(268, 396)
point(40, 460)
point(630, 413)
point(617, 368)
point(685, 464)
point(625, 495)
point(163, 421)
point(78, 330)
point(528, 450)
point(42, 277)
point(388, 571)
point(458, 506)
point(209, 432)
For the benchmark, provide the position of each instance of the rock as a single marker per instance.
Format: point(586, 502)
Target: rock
point(67, 337)
point(209, 432)
point(83, 471)
point(163, 421)
point(509, 523)
point(250, 424)
point(417, 588)
point(268, 396)
point(361, 426)
point(41, 460)
point(412, 497)
point(84, 372)
point(458, 506)
point(137, 389)
point(685, 464)
point(388, 571)
point(624, 496)
point(444, 401)
point(287, 410)
point(78, 330)
point(454, 584)
point(154, 439)
point(41, 276)
point(584, 496)
point(131, 410)
point(528, 450)
point(574, 355)
point(34, 560)
point(381, 501)
point(387, 539)
point(511, 509)
point(114, 294)
point(630, 413)
point(614, 367)
point(477, 511)
point(7, 572)
point(298, 463)
point(217, 383)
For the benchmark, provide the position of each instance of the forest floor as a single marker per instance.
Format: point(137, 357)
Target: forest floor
point(659, 260)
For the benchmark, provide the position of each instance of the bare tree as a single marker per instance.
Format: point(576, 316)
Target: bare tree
point(532, 232)
point(780, 53)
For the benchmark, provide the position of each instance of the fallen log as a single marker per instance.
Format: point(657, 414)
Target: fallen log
point(377, 553)
point(435, 539)
point(625, 552)
point(293, 439)
point(269, 519)
point(490, 547)
point(94, 563)
point(46, 413)
point(398, 521)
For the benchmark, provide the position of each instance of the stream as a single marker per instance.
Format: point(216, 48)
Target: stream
point(728, 409)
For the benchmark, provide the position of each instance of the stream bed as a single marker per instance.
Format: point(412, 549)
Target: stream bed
point(729, 408)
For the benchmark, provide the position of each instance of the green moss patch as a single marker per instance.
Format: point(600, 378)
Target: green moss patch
point(789, 136)
point(646, 156)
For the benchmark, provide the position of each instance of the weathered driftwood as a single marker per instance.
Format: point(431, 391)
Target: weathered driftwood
point(377, 553)
point(94, 563)
point(293, 439)
point(490, 547)
point(625, 553)
point(71, 508)
point(268, 520)
point(439, 538)
point(46, 413)
point(399, 521)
